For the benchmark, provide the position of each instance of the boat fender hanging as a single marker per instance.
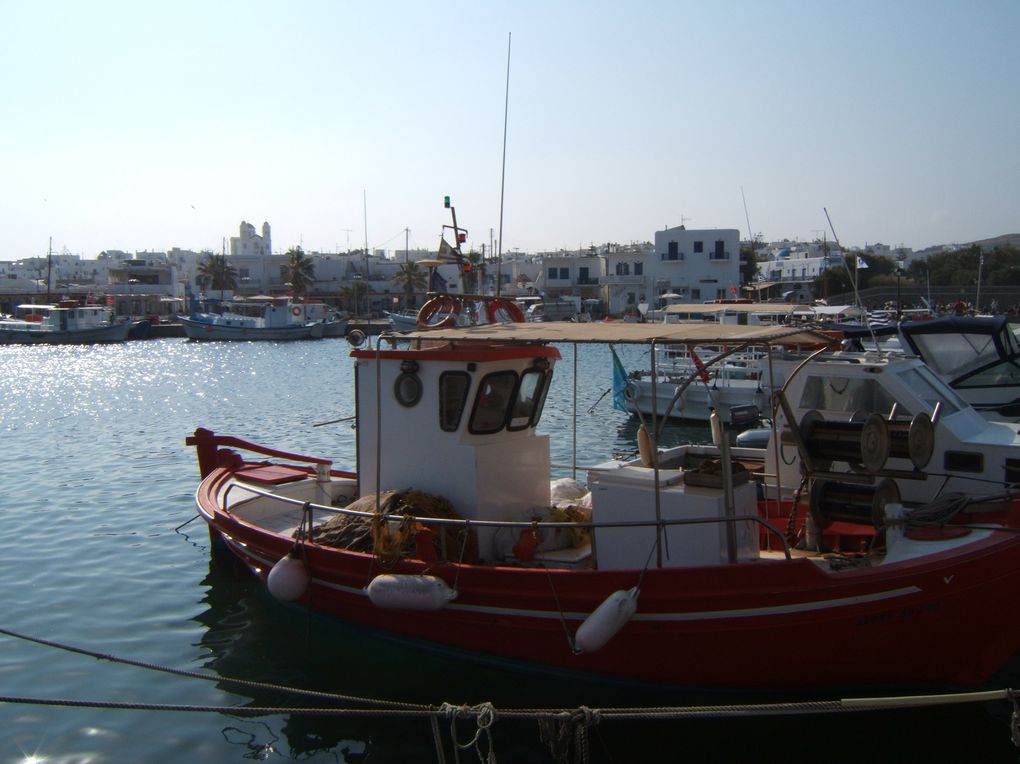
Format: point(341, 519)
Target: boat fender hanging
point(607, 619)
point(289, 577)
point(644, 443)
point(409, 592)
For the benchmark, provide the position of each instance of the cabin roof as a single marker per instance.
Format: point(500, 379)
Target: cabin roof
point(627, 333)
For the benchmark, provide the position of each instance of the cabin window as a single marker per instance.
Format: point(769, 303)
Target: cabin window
point(932, 390)
point(845, 395)
point(492, 403)
point(964, 461)
point(407, 388)
point(528, 402)
point(453, 392)
point(999, 375)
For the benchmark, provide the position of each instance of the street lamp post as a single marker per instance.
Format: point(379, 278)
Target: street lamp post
point(899, 303)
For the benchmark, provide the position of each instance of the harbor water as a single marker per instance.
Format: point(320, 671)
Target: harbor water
point(99, 555)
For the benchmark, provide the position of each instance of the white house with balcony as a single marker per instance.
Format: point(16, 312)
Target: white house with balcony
point(699, 265)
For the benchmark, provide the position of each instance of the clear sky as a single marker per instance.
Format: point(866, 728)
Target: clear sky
point(148, 125)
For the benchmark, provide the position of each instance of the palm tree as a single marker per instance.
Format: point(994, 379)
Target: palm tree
point(351, 295)
point(216, 273)
point(409, 277)
point(299, 270)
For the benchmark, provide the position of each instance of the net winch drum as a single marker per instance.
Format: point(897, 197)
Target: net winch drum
point(833, 501)
point(914, 440)
point(865, 443)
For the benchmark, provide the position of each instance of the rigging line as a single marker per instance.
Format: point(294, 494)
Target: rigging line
point(853, 279)
point(502, 179)
point(199, 675)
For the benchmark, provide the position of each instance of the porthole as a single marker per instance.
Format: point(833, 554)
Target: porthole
point(407, 389)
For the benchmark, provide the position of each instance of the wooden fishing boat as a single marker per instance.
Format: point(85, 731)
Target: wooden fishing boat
point(873, 543)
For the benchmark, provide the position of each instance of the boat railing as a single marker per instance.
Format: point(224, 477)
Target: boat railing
point(467, 524)
point(207, 445)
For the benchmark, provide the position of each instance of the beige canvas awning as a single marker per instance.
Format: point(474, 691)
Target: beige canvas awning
point(623, 332)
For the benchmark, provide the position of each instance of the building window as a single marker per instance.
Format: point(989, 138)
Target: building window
point(564, 274)
point(695, 294)
point(699, 247)
point(673, 252)
point(720, 252)
point(639, 269)
point(552, 273)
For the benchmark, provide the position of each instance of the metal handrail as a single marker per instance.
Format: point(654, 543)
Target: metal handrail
point(507, 523)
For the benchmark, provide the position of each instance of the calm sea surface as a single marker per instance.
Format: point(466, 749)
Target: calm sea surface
point(96, 485)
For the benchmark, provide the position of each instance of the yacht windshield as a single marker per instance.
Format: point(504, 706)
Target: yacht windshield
point(932, 390)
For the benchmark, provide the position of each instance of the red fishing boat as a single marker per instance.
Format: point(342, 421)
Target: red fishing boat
point(873, 542)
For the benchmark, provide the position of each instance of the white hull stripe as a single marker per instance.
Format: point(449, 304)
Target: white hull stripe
point(705, 615)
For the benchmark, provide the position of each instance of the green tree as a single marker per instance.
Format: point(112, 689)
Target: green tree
point(299, 270)
point(351, 295)
point(216, 273)
point(409, 277)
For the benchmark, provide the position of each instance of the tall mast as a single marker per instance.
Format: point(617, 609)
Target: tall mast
point(502, 180)
point(49, 268)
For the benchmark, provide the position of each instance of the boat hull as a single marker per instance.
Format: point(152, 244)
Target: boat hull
point(111, 333)
point(757, 625)
point(204, 331)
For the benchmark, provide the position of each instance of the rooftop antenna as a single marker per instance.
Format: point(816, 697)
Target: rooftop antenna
point(750, 235)
point(502, 180)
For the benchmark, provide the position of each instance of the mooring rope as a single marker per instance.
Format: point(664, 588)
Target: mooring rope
point(558, 726)
point(248, 683)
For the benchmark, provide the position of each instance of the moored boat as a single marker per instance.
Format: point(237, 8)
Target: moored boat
point(698, 566)
point(66, 323)
point(279, 319)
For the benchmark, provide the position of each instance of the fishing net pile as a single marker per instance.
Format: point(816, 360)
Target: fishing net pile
point(392, 539)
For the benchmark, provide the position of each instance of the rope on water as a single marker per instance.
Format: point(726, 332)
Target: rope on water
point(251, 684)
point(557, 726)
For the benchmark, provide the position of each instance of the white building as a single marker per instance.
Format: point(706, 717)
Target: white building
point(696, 265)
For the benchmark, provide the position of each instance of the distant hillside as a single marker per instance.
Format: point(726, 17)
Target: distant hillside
point(1006, 240)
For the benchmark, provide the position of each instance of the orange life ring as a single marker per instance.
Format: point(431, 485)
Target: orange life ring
point(511, 308)
point(295, 311)
point(441, 304)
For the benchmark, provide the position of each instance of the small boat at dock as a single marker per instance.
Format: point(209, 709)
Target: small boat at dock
point(66, 323)
point(279, 319)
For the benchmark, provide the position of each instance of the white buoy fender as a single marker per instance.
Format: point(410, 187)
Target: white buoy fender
point(644, 443)
point(288, 579)
point(607, 619)
point(406, 592)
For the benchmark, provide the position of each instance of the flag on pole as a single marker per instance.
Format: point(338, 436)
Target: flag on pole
point(447, 253)
point(619, 382)
point(861, 263)
point(700, 366)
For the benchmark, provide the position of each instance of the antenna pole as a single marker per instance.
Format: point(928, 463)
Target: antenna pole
point(502, 180)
